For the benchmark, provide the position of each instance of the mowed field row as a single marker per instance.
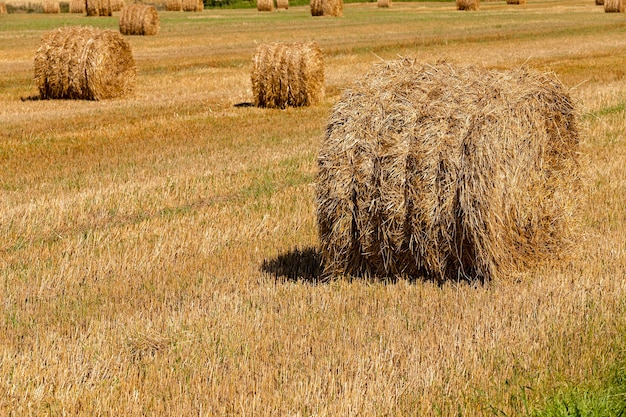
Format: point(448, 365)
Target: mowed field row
point(159, 253)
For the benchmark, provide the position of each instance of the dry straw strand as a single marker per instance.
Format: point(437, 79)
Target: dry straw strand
point(282, 4)
point(447, 172)
point(82, 62)
point(265, 5)
point(614, 6)
point(3, 7)
point(384, 3)
point(77, 6)
point(287, 74)
point(139, 19)
point(468, 4)
point(332, 8)
point(174, 5)
point(51, 7)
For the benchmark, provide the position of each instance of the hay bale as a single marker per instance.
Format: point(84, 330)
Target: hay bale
point(117, 5)
point(174, 5)
point(265, 5)
point(99, 8)
point(332, 8)
point(287, 75)
point(3, 7)
point(139, 19)
point(468, 4)
point(518, 1)
point(599, 2)
point(76, 62)
point(51, 7)
point(193, 5)
point(614, 6)
point(77, 6)
point(282, 4)
point(446, 171)
point(384, 3)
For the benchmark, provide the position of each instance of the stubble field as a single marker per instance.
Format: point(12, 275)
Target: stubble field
point(159, 253)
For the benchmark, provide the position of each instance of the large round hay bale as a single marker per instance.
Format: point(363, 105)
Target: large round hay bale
point(82, 62)
point(333, 8)
point(99, 8)
point(174, 5)
point(614, 6)
point(139, 19)
point(117, 5)
point(3, 7)
point(468, 4)
point(384, 3)
point(447, 172)
point(282, 4)
point(265, 5)
point(77, 6)
point(518, 1)
point(599, 2)
point(193, 5)
point(51, 7)
point(287, 75)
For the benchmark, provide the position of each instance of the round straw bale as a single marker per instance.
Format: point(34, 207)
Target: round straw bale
point(3, 7)
point(614, 6)
point(174, 5)
point(384, 3)
point(139, 19)
point(99, 8)
point(447, 172)
point(468, 4)
point(82, 62)
point(51, 7)
point(599, 2)
point(265, 5)
point(282, 4)
point(116, 5)
point(518, 1)
point(332, 8)
point(287, 75)
point(77, 6)
point(193, 5)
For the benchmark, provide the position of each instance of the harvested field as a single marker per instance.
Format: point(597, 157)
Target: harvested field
point(160, 253)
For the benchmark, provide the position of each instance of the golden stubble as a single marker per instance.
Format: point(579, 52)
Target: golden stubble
point(140, 236)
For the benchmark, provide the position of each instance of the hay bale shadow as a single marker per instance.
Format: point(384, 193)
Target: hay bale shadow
point(297, 265)
point(244, 104)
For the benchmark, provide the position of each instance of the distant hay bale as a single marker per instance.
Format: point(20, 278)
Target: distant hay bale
point(77, 6)
point(447, 172)
point(384, 3)
point(116, 5)
point(174, 5)
point(468, 4)
point(51, 7)
point(518, 1)
point(265, 5)
point(282, 4)
point(193, 5)
point(82, 62)
point(332, 8)
point(3, 7)
point(614, 6)
point(99, 8)
point(287, 75)
point(139, 19)
point(599, 2)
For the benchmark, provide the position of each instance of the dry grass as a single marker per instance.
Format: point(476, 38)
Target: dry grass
point(140, 236)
